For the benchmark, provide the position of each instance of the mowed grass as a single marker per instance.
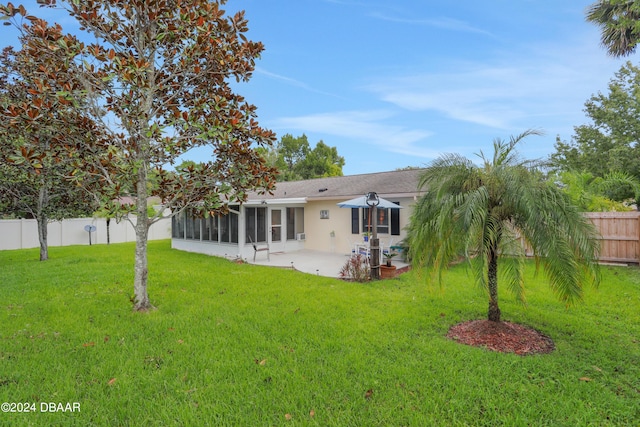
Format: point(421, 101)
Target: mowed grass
point(243, 345)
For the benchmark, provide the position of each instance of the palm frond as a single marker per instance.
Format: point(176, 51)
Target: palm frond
point(478, 212)
point(617, 21)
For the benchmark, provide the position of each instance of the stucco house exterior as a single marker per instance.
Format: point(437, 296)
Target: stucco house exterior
point(303, 215)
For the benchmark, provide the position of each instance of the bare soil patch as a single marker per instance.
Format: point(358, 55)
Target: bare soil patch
point(504, 337)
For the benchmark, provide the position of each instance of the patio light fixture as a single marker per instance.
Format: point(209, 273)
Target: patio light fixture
point(374, 245)
point(373, 199)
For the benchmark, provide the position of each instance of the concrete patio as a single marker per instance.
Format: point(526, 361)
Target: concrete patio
point(308, 261)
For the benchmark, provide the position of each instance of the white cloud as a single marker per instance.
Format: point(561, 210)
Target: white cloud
point(293, 82)
point(441, 23)
point(369, 127)
point(542, 86)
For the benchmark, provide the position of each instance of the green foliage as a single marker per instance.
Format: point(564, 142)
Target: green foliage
point(480, 212)
point(321, 161)
point(37, 132)
point(243, 345)
point(619, 24)
point(589, 193)
point(161, 72)
point(296, 160)
point(609, 143)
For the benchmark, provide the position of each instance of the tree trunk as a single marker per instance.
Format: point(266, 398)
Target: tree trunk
point(141, 302)
point(108, 235)
point(41, 219)
point(494, 310)
point(42, 237)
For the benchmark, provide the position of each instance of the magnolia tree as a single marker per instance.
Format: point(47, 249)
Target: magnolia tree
point(35, 131)
point(156, 78)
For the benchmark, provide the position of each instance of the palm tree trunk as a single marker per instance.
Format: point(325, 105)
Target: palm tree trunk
point(494, 310)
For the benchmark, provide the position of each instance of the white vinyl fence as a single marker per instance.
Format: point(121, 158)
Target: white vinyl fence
point(23, 233)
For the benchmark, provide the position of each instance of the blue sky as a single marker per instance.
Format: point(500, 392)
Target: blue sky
point(396, 84)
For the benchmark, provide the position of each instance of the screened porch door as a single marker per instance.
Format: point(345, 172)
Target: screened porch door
point(277, 242)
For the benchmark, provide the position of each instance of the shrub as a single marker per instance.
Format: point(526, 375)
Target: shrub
point(356, 268)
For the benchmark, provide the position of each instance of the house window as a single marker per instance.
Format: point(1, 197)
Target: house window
point(188, 227)
point(383, 220)
point(256, 224)
point(177, 226)
point(209, 224)
point(395, 221)
point(355, 221)
point(229, 228)
point(192, 225)
point(388, 220)
point(295, 222)
point(213, 221)
point(196, 228)
point(210, 229)
point(222, 228)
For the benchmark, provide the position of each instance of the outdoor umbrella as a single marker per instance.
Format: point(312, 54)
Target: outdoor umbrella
point(361, 202)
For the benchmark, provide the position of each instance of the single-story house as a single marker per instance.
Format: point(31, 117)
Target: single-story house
point(303, 215)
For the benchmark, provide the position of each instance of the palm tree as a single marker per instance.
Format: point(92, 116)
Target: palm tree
point(619, 21)
point(479, 212)
point(600, 194)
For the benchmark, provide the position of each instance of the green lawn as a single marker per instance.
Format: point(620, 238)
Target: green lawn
point(244, 345)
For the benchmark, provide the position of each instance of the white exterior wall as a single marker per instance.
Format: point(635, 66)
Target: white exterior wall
point(319, 231)
point(331, 235)
point(227, 250)
point(23, 233)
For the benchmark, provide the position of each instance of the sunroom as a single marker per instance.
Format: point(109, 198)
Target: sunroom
point(276, 224)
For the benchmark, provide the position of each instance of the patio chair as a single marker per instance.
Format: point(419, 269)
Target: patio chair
point(358, 247)
point(352, 247)
point(257, 249)
point(363, 250)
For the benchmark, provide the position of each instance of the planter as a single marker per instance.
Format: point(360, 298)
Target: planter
point(387, 272)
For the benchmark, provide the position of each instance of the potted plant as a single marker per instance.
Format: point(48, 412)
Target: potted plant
point(389, 256)
point(366, 235)
point(388, 270)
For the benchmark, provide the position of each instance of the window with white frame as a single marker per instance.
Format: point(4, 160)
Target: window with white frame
point(256, 224)
point(295, 222)
point(382, 216)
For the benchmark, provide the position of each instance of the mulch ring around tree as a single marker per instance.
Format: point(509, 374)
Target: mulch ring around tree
point(504, 337)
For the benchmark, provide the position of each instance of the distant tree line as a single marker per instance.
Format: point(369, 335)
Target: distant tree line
point(296, 160)
point(600, 165)
point(602, 159)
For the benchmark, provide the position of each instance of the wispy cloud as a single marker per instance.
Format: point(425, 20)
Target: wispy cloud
point(368, 127)
point(293, 82)
point(285, 79)
point(485, 96)
point(544, 88)
point(443, 23)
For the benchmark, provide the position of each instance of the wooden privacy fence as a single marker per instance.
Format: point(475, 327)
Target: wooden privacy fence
point(620, 236)
point(620, 233)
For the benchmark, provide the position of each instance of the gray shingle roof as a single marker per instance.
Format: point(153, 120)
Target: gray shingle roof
point(395, 183)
